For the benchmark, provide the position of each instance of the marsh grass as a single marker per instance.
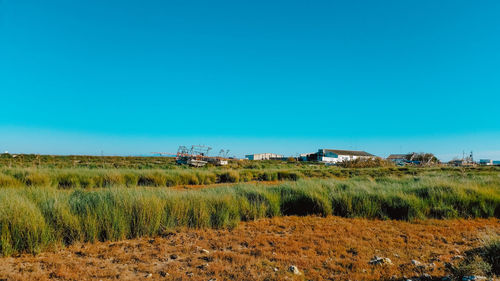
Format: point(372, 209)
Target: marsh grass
point(70, 178)
point(34, 218)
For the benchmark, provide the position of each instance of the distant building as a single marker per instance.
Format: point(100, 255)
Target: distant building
point(496, 163)
point(486, 162)
point(312, 156)
point(333, 156)
point(461, 162)
point(398, 159)
point(264, 156)
point(456, 162)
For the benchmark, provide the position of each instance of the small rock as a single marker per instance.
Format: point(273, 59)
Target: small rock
point(380, 260)
point(173, 256)
point(275, 269)
point(473, 277)
point(426, 276)
point(294, 269)
point(149, 275)
point(212, 279)
point(205, 251)
point(202, 266)
point(190, 274)
point(163, 273)
point(415, 262)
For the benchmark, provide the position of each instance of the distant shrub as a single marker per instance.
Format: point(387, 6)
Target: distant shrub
point(366, 163)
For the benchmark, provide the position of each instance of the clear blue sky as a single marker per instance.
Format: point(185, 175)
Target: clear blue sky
point(130, 77)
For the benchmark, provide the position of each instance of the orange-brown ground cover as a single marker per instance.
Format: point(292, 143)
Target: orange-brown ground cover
point(330, 248)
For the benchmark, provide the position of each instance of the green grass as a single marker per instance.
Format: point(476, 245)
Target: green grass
point(69, 178)
point(35, 218)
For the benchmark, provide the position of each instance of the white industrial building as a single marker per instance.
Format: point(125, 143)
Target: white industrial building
point(336, 156)
point(486, 162)
point(263, 156)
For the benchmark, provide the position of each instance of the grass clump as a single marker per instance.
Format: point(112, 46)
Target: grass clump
point(482, 261)
point(22, 225)
point(9, 181)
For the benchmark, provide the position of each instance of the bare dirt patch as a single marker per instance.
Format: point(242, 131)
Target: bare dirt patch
point(330, 248)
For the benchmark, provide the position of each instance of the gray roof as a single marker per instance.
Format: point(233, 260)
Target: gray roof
point(349, 152)
point(397, 156)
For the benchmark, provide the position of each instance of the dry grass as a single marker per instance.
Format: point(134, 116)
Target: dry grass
point(329, 248)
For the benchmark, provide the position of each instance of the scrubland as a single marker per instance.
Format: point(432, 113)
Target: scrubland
point(57, 203)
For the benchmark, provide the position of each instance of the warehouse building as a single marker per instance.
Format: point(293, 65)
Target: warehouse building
point(336, 156)
point(264, 156)
point(332, 156)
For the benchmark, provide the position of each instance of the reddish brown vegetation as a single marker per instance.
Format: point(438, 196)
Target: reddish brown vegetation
point(329, 248)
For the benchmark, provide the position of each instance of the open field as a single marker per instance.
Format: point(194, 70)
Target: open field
point(331, 248)
point(122, 222)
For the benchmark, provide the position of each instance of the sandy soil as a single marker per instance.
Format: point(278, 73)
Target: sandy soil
point(330, 248)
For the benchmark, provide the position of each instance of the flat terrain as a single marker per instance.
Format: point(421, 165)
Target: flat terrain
point(331, 248)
